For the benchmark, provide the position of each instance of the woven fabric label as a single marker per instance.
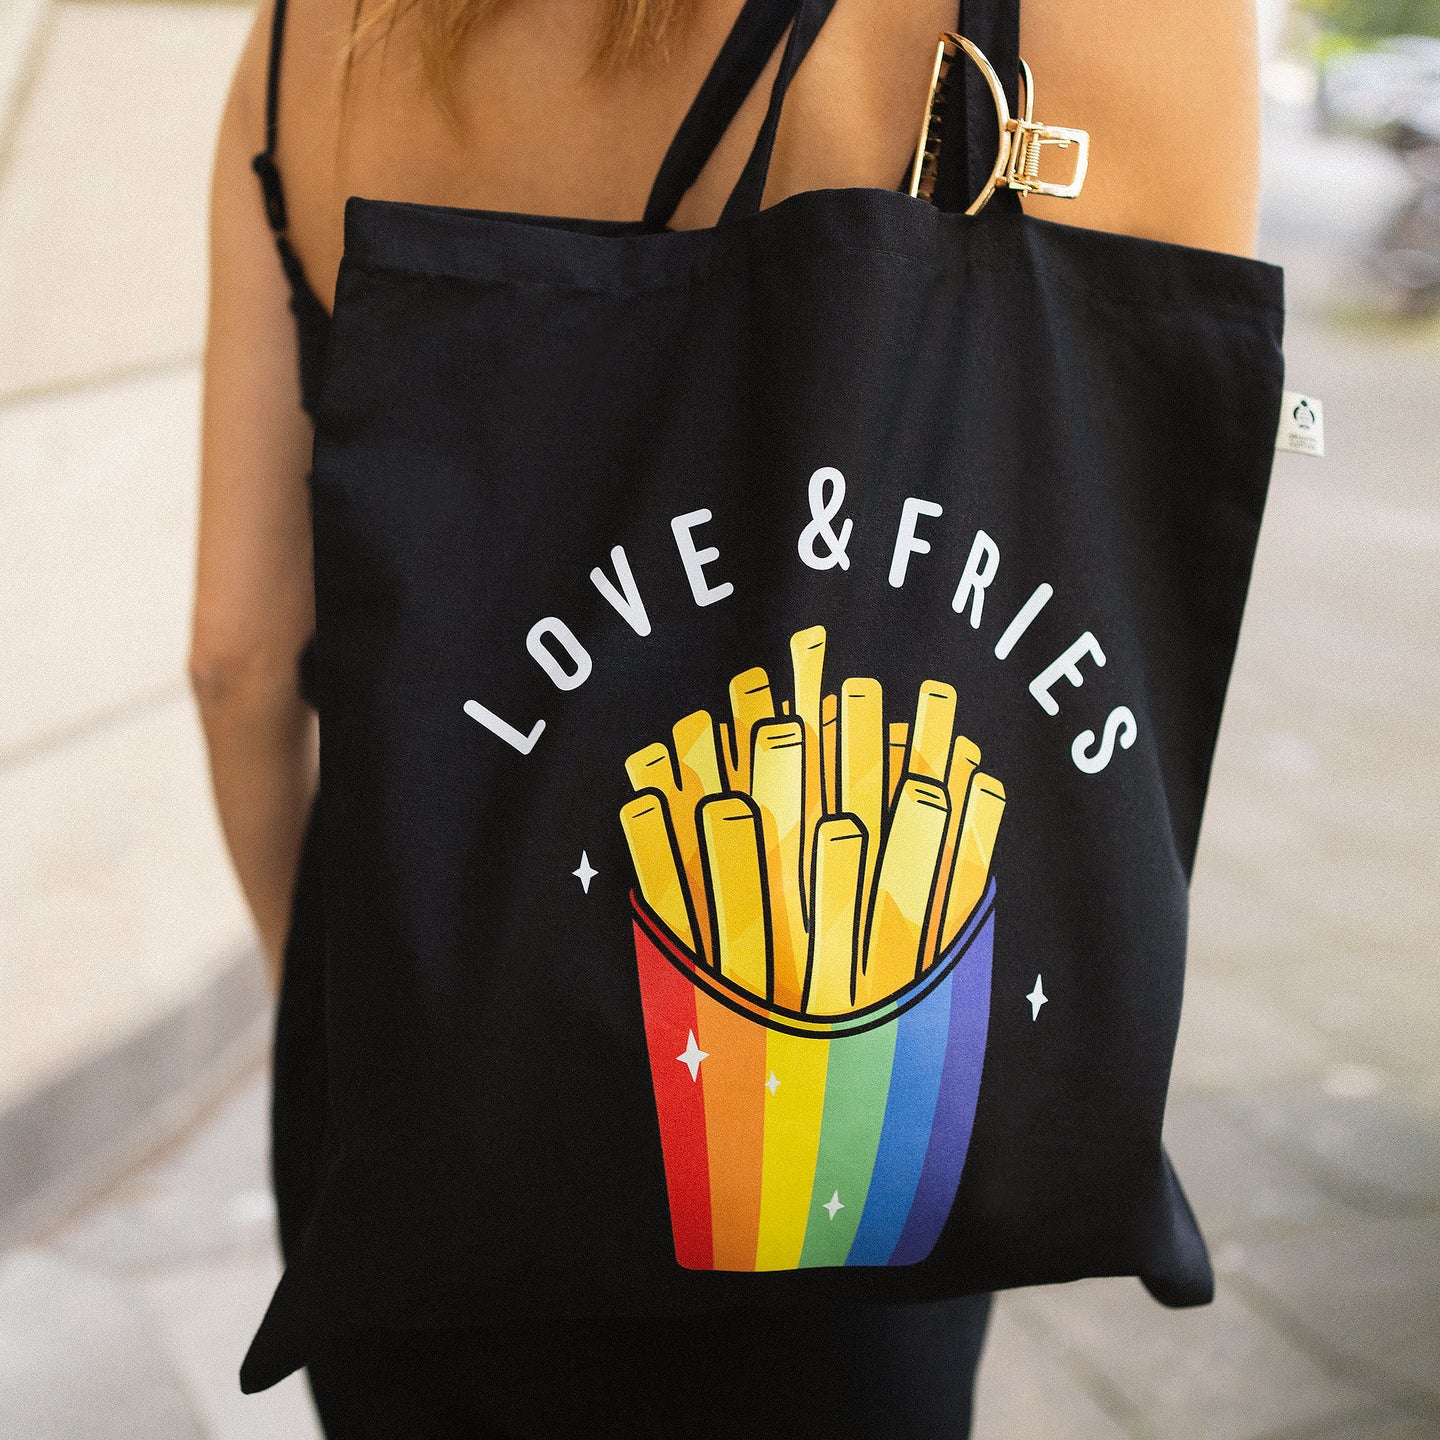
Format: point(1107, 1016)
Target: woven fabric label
point(1302, 424)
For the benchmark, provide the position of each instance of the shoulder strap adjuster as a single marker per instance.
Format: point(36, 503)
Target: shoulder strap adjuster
point(264, 166)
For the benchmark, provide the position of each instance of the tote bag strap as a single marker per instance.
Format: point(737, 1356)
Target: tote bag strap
point(757, 30)
point(971, 130)
point(750, 187)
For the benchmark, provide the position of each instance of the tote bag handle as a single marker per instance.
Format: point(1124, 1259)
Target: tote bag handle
point(758, 29)
point(972, 127)
point(967, 156)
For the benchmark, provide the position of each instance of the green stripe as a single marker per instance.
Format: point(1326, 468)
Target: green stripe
point(856, 1087)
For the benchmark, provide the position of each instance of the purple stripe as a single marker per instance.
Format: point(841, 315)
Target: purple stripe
point(959, 1091)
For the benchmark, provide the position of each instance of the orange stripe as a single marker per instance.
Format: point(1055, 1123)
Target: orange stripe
point(735, 1127)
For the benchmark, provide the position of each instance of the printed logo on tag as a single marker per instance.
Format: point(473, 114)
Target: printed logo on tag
point(1302, 424)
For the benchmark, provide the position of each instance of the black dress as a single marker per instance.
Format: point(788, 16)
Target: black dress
point(899, 1370)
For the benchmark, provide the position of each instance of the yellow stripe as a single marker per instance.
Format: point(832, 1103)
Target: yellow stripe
point(793, 1112)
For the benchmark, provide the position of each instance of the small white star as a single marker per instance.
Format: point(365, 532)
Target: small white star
point(834, 1205)
point(1037, 997)
point(773, 1083)
point(586, 873)
point(692, 1057)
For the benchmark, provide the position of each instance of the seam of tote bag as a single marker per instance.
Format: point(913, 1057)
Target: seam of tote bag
point(699, 272)
point(1125, 301)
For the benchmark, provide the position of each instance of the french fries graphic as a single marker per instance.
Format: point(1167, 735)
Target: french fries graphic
point(810, 852)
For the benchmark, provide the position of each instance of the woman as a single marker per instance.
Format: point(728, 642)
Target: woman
point(536, 108)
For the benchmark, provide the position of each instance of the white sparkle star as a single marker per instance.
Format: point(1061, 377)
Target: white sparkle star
point(773, 1083)
point(692, 1057)
point(586, 873)
point(834, 1205)
point(1037, 997)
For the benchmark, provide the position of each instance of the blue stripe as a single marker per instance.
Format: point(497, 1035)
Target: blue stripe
point(959, 1091)
point(909, 1111)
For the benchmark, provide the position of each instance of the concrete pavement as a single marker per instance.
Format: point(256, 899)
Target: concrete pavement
point(128, 987)
point(178, 1263)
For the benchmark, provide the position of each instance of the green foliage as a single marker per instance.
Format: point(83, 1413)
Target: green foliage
point(1368, 20)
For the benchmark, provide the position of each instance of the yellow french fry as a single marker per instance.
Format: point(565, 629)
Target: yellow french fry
point(731, 836)
point(829, 740)
point(657, 867)
point(777, 784)
point(964, 758)
point(898, 751)
point(750, 703)
point(699, 772)
point(839, 869)
point(903, 892)
point(930, 735)
point(652, 769)
point(699, 761)
point(864, 791)
point(807, 662)
point(984, 805)
point(819, 858)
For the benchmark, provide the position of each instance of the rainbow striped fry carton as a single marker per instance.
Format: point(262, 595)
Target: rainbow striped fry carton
point(791, 1141)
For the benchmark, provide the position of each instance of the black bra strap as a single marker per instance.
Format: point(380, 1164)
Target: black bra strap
point(750, 187)
point(757, 30)
point(263, 164)
point(272, 73)
point(967, 151)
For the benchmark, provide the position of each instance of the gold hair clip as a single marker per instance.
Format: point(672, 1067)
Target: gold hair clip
point(1017, 157)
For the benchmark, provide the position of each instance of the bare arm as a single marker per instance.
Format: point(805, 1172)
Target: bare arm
point(1171, 96)
point(253, 603)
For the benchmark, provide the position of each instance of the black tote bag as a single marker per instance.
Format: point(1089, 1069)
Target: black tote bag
point(768, 682)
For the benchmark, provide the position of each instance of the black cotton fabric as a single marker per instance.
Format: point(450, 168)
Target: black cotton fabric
point(1012, 465)
point(811, 1373)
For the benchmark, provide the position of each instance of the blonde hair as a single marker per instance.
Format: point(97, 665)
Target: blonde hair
point(633, 31)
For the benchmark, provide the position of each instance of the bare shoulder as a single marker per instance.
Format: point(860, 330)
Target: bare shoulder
point(1168, 92)
point(1170, 95)
point(245, 104)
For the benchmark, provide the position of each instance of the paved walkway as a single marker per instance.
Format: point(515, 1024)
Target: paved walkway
point(1306, 1101)
point(124, 944)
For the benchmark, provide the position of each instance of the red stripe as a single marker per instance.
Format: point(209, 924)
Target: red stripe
point(668, 1000)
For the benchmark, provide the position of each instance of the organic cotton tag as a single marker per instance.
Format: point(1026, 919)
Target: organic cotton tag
point(1302, 424)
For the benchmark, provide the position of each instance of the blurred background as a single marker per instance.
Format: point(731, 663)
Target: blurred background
point(136, 1228)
